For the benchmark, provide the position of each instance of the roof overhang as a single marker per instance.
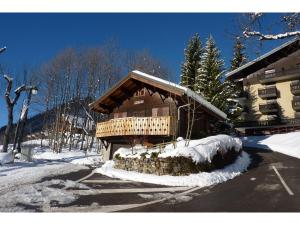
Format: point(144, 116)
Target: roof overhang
point(265, 60)
point(136, 80)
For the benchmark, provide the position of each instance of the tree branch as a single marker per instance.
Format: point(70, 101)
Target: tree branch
point(261, 36)
point(8, 89)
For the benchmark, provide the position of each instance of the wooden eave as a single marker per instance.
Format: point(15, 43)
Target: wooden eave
point(125, 89)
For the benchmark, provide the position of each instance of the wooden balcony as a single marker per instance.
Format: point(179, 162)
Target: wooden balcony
point(296, 103)
point(269, 108)
point(290, 74)
point(268, 92)
point(132, 126)
point(295, 87)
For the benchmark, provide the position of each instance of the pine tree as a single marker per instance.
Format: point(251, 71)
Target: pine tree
point(191, 65)
point(210, 74)
point(239, 57)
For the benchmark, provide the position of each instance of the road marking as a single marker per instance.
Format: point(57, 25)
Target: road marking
point(115, 208)
point(86, 177)
point(289, 191)
point(128, 190)
point(106, 181)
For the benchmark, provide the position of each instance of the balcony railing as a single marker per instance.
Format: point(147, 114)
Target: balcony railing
point(296, 103)
point(163, 125)
point(263, 123)
point(268, 92)
point(267, 108)
point(295, 87)
point(279, 76)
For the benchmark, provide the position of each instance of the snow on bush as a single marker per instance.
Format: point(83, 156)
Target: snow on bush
point(200, 150)
point(202, 179)
point(288, 143)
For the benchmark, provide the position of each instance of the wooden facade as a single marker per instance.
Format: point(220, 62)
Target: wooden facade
point(143, 109)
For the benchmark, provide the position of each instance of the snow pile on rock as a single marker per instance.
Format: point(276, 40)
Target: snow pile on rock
point(202, 179)
point(288, 143)
point(200, 150)
point(203, 149)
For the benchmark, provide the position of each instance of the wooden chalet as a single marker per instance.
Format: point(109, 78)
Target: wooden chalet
point(144, 109)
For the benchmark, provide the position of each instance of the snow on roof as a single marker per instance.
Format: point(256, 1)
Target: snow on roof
point(262, 57)
point(186, 90)
point(79, 122)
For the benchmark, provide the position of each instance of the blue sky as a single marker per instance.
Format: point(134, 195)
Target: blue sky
point(32, 39)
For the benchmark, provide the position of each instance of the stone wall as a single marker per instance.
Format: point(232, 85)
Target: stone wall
point(175, 166)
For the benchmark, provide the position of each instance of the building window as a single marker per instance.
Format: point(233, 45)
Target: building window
point(160, 111)
point(139, 93)
point(120, 115)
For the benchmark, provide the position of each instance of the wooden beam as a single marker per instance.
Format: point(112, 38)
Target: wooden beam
point(116, 101)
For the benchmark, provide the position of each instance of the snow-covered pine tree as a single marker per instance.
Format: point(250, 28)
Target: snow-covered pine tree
point(191, 64)
point(209, 77)
point(239, 56)
point(239, 59)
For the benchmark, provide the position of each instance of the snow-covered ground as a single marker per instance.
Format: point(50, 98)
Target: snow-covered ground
point(199, 150)
point(20, 181)
point(288, 143)
point(202, 179)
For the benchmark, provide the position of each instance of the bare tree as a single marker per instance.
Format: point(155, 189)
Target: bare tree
point(10, 103)
point(254, 26)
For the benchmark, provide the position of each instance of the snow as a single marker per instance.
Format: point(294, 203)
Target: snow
point(39, 194)
point(75, 156)
point(187, 91)
point(46, 163)
point(202, 179)
point(288, 143)
point(6, 157)
point(200, 150)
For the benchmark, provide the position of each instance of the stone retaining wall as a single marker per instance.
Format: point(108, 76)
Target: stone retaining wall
point(175, 166)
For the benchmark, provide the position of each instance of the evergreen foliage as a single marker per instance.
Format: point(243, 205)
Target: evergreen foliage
point(239, 57)
point(209, 81)
point(191, 65)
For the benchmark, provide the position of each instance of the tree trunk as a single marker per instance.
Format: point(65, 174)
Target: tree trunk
point(8, 128)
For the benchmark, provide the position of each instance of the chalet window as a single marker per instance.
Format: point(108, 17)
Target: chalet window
point(139, 113)
point(139, 93)
point(120, 115)
point(154, 112)
point(160, 111)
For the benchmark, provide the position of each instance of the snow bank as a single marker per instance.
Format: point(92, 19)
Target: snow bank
point(6, 157)
point(199, 150)
point(288, 143)
point(201, 179)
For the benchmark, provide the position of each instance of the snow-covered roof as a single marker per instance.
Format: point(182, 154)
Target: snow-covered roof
point(171, 86)
point(187, 91)
point(263, 57)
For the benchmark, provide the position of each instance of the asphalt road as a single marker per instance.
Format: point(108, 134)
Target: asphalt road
point(271, 184)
